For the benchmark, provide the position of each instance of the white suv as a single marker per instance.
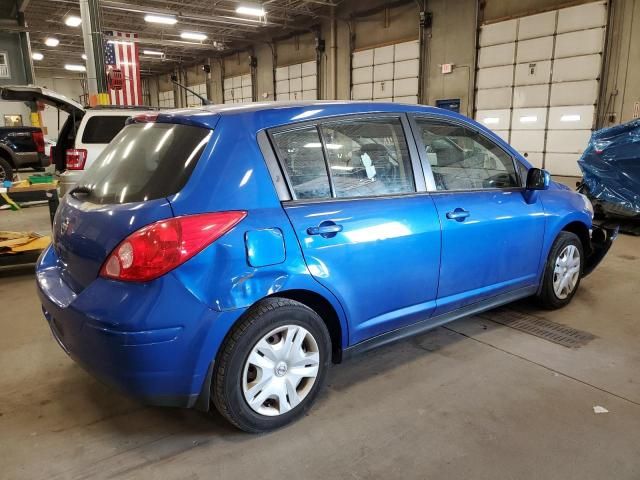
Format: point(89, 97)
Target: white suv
point(85, 133)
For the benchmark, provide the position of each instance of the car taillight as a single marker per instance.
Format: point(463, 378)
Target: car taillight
point(76, 158)
point(38, 139)
point(160, 247)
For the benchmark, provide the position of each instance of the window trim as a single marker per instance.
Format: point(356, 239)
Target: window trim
point(413, 121)
point(419, 178)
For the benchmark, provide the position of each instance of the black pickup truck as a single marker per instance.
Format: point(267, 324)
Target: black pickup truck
point(21, 147)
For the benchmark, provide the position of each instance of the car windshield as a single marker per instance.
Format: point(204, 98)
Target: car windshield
point(145, 162)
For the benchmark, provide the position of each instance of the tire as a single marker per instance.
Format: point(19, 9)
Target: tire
point(565, 250)
point(6, 170)
point(261, 336)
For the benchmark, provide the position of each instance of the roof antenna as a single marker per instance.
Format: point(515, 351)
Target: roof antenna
point(174, 80)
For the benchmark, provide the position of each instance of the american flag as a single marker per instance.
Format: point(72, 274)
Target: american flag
point(120, 51)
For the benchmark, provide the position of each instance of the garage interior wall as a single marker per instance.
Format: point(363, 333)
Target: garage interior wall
point(296, 72)
point(237, 82)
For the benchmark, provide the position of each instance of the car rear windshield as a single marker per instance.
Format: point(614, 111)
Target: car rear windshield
point(102, 129)
point(145, 162)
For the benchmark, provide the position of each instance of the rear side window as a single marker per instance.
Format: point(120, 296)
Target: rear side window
point(145, 162)
point(102, 129)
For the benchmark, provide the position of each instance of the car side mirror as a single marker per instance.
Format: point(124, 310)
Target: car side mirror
point(538, 179)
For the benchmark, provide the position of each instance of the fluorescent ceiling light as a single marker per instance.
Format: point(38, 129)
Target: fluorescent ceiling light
point(72, 21)
point(529, 119)
point(312, 145)
point(51, 42)
point(193, 36)
point(570, 118)
point(253, 10)
point(491, 121)
point(333, 146)
point(84, 57)
point(153, 52)
point(37, 56)
point(75, 68)
point(341, 167)
point(164, 19)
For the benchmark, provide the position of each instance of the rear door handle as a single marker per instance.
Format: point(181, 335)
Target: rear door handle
point(459, 214)
point(327, 229)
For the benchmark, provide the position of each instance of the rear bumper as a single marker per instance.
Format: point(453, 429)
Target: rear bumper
point(601, 241)
point(30, 159)
point(153, 341)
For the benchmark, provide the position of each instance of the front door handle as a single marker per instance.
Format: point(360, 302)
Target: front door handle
point(326, 229)
point(459, 214)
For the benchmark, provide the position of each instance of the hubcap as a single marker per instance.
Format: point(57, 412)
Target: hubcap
point(281, 370)
point(566, 272)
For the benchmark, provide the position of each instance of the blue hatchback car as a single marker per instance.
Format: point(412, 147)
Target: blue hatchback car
point(229, 255)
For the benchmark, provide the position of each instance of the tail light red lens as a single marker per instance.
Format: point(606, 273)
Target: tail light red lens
point(76, 158)
point(160, 247)
point(38, 139)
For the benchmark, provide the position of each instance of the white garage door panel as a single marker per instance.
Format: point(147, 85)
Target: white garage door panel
point(535, 49)
point(362, 59)
point(495, 77)
point(503, 32)
point(295, 84)
point(531, 96)
point(383, 89)
point(529, 119)
point(503, 134)
point(236, 81)
point(574, 93)
point(384, 100)
point(576, 68)
point(533, 73)
point(362, 75)
point(528, 140)
point(584, 42)
point(539, 25)
point(283, 97)
point(406, 69)
point(571, 118)
point(582, 17)
point(363, 91)
point(412, 99)
point(563, 164)
point(494, 119)
point(309, 94)
point(493, 98)
point(405, 87)
point(282, 86)
point(246, 92)
point(282, 73)
point(308, 68)
point(383, 55)
point(228, 95)
point(535, 158)
point(237, 93)
point(228, 83)
point(309, 83)
point(496, 55)
point(245, 80)
point(383, 72)
point(295, 95)
point(295, 71)
point(567, 141)
point(407, 51)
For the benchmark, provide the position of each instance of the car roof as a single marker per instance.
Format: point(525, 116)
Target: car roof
point(272, 114)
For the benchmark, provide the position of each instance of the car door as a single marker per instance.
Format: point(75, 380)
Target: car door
point(492, 231)
point(366, 232)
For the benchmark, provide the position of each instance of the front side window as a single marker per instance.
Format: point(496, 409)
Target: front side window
point(462, 159)
point(368, 157)
point(301, 153)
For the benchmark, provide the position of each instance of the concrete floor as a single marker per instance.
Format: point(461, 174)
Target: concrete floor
point(473, 400)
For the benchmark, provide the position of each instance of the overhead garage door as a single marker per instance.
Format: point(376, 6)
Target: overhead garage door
point(388, 73)
point(238, 89)
point(166, 99)
point(297, 82)
point(194, 101)
point(538, 82)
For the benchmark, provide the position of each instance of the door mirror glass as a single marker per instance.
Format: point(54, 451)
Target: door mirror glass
point(538, 179)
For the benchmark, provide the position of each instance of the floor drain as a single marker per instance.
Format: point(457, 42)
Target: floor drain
point(540, 327)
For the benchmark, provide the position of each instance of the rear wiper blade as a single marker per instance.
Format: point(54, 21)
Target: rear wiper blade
point(80, 189)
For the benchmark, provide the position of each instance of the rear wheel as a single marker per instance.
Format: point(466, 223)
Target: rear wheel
point(272, 365)
point(562, 272)
point(6, 171)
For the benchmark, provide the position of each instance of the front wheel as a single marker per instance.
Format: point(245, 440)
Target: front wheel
point(562, 271)
point(271, 366)
point(6, 171)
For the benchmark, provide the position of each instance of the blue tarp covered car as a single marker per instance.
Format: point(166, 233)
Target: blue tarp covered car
point(611, 169)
